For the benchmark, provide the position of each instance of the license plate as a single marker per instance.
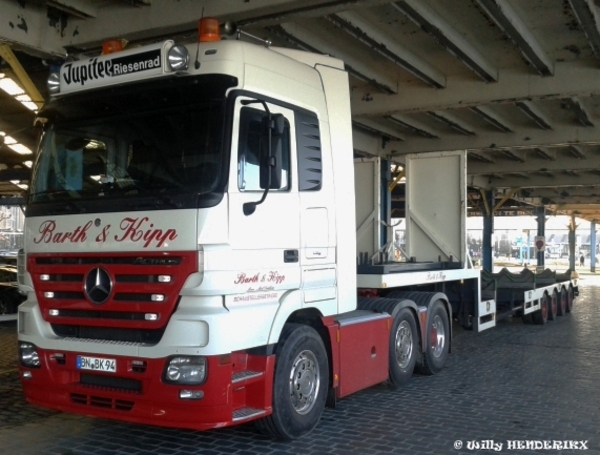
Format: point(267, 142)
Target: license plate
point(96, 364)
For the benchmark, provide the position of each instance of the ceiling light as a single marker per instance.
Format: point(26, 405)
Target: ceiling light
point(7, 139)
point(21, 149)
point(10, 87)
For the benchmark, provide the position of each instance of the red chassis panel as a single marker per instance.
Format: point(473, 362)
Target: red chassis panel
point(143, 397)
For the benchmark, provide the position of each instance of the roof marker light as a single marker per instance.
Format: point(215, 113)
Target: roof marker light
point(208, 30)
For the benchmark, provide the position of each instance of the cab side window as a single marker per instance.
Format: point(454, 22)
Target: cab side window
point(251, 150)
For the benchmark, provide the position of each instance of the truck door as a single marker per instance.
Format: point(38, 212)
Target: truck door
point(265, 244)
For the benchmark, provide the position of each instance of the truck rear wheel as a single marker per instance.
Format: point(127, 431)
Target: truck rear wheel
point(562, 302)
point(300, 384)
point(540, 317)
point(570, 299)
point(552, 306)
point(403, 347)
point(438, 339)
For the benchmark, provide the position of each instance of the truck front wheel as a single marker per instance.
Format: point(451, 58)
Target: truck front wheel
point(300, 383)
point(438, 339)
point(403, 347)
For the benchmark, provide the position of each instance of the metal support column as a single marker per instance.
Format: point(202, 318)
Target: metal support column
point(593, 246)
point(386, 204)
point(541, 232)
point(572, 229)
point(488, 230)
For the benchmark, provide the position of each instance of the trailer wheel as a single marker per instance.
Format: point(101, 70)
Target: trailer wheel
point(562, 302)
point(438, 339)
point(552, 306)
point(570, 299)
point(300, 384)
point(540, 317)
point(403, 347)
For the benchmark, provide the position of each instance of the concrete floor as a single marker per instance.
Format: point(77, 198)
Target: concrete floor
point(513, 383)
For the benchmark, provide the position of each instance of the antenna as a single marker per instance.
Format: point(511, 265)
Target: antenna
point(231, 28)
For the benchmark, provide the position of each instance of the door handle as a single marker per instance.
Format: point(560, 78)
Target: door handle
point(290, 256)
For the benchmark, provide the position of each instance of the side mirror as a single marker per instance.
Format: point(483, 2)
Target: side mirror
point(272, 151)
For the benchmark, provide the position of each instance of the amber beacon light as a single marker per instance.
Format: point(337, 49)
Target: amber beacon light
point(111, 46)
point(208, 30)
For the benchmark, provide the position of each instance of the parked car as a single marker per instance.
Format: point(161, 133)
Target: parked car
point(8, 274)
point(10, 298)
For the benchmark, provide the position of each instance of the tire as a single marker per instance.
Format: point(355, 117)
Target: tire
point(404, 347)
point(300, 384)
point(570, 299)
point(562, 302)
point(540, 317)
point(552, 306)
point(437, 339)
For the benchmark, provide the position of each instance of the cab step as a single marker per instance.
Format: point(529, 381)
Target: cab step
point(247, 413)
point(246, 376)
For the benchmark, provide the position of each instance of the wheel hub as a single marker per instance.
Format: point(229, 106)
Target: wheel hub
point(304, 382)
point(404, 344)
point(437, 336)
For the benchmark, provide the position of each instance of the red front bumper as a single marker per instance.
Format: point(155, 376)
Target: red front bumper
point(136, 394)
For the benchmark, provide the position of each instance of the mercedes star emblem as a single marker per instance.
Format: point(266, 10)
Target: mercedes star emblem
point(98, 285)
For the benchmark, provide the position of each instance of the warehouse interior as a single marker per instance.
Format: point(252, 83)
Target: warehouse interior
point(512, 82)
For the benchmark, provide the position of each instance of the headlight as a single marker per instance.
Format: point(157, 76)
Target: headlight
point(186, 370)
point(29, 355)
point(178, 58)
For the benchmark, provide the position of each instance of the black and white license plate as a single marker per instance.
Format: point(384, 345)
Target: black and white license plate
point(96, 364)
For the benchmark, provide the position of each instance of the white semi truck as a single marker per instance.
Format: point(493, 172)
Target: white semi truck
point(192, 244)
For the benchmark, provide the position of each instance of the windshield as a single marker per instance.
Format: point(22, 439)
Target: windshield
point(153, 140)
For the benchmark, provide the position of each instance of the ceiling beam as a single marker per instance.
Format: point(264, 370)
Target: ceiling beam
point(384, 82)
point(559, 193)
point(30, 89)
point(569, 80)
point(362, 30)
point(365, 142)
point(279, 31)
point(30, 28)
point(452, 121)
point(531, 111)
point(373, 127)
point(509, 21)
point(492, 118)
point(574, 105)
point(442, 32)
point(77, 8)
point(589, 19)
point(412, 125)
point(523, 138)
point(531, 163)
point(488, 182)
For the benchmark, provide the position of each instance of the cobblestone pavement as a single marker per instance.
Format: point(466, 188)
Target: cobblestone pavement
point(513, 383)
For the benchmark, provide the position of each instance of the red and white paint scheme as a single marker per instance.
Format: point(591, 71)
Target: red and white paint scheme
point(192, 236)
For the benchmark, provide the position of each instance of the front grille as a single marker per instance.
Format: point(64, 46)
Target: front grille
point(68, 295)
point(112, 383)
point(123, 297)
point(131, 281)
point(87, 260)
point(101, 402)
point(66, 277)
point(108, 333)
